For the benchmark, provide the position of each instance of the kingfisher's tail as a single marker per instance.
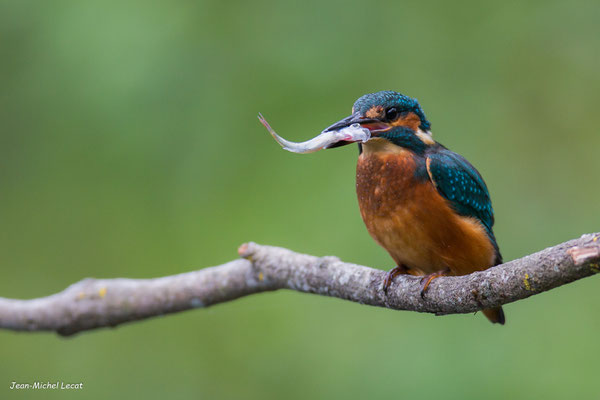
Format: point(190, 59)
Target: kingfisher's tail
point(495, 315)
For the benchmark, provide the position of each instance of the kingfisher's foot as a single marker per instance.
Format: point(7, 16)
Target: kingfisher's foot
point(426, 280)
point(391, 274)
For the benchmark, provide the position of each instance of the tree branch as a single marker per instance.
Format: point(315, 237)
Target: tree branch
point(96, 303)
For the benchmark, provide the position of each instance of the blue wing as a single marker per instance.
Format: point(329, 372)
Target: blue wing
point(460, 183)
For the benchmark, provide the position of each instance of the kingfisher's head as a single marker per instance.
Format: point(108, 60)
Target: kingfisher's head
point(391, 108)
point(380, 121)
point(390, 117)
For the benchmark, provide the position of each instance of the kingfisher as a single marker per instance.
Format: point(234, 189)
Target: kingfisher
point(427, 206)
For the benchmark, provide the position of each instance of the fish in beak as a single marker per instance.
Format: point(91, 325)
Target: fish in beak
point(349, 130)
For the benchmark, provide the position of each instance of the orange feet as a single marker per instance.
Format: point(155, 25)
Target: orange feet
point(426, 280)
point(391, 274)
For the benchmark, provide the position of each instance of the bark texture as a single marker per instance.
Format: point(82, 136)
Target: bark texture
point(96, 303)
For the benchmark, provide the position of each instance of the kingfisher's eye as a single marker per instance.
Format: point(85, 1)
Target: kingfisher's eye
point(391, 114)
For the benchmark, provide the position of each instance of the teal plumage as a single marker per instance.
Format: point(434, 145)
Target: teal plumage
point(461, 184)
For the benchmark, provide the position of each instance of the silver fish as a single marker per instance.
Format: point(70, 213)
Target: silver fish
point(352, 133)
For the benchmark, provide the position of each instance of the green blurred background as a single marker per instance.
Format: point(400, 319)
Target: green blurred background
point(130, 147)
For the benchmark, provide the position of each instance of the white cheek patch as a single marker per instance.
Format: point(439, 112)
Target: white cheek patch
point(425, 136)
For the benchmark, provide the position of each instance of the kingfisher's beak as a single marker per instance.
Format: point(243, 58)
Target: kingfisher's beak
point(355, 118)
point(350, 120)
point(372, 125)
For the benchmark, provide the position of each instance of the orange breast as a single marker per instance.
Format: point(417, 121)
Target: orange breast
point(413, 222)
